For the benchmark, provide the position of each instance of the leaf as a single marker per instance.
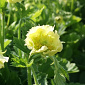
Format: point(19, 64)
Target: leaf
point(59, 72)
point(72, 38)
point(42, 78)
point(21, 62)
point(7, 42)
point(36, 14)
point(52, 82)
point(2, 3)
point(75, 18)
point(12, 26)
point(19, 43)
point(59, 80)
point(72, 20)
point(64, 72)
point(62, 29)
point(30, 63)
point(68, 66)
point(46, 68)
point(18, 62)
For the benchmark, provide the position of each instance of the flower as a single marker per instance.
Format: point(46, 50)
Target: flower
point(13, 1)
point(2, 59)
point(42, 39)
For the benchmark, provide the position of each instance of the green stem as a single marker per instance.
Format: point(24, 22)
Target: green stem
point(29, 69)
point(2, 31)
point(72, 5)
point(9, 16)
point(19, 37)
point(34, 75)
point(29, 76)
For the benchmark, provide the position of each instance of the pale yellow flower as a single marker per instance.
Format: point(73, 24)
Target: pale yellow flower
point(42, 39)
point(2, 59)
point(13, 1)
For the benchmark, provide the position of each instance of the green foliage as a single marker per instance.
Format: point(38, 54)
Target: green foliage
point(6, 43)
point(2, 3)
point(21, 62)
point(68, 66)
point(36, 14)
point(42, 77)
point(21, 45)
point(59, 73)
point(9, 77)
point(74, 84)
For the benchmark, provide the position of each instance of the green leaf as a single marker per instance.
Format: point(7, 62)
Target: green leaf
point(45, 67)
point(6, 43)
point(75, 18)
point(59, 79)
point(52, 82)
point(2, 3)
point(68, 66)
point(30, 63)
point(36, 14)
point(64, 72)
point(42, 78)
point(20, 62)
point(12, 26)
point(72, 20)
point(62, 29)
point(72, 38)
point(59, 72)
point(19, 43)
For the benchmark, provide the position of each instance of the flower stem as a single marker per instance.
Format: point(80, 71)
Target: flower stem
point(34, 75)
point(19, 29)
point(9, 16)
point(2, 31)
point(19, 37)
point(29, 76)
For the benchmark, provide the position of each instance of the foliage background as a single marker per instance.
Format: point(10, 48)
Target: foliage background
point(68, 17)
